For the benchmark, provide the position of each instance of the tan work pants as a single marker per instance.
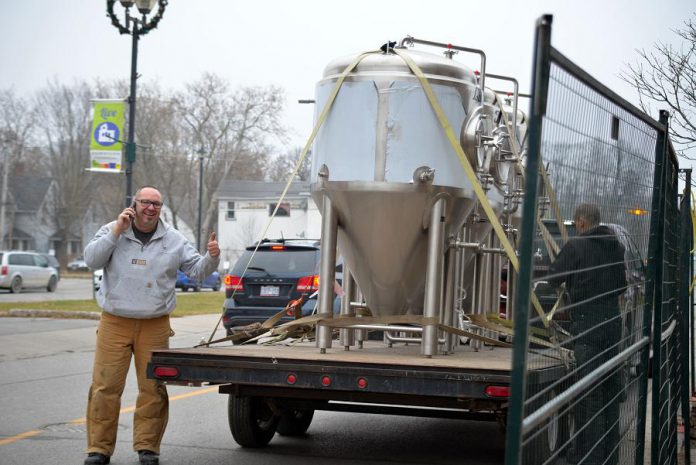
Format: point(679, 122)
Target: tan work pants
point(117, 339)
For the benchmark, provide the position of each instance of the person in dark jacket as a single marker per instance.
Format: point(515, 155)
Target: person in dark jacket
point(592, 267)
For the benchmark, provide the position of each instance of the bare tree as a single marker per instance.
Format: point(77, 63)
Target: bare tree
point(667, 76)
point(165, 154)
point(232, 130)
point(65, 125)
point(16, 124)
point(283, 166)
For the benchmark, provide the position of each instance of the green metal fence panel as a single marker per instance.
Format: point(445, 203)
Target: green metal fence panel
point(670, 383)
point(604, 232)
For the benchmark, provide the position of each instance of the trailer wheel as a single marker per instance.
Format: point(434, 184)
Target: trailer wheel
point(295, 422)
point(251, 420)
point(548, 437)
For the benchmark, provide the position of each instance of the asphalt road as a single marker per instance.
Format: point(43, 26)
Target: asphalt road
point(45, 371)
point(68, 289)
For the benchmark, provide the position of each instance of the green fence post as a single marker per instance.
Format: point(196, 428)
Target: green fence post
point(684, 282)
point(540, 76)
point(654, 287)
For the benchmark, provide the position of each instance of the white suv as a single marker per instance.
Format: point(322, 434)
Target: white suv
point(21, 270)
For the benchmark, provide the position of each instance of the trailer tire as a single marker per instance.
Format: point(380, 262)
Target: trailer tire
point(252, 422)
point(295, 422)
point(548, 437)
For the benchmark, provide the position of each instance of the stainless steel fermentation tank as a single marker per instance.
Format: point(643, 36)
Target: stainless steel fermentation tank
point(394, 196)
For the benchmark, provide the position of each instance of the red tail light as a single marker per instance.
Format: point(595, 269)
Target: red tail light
point(234, 283)
point(497, 391)
point(308, 283)
point(166, 372)
point(4, 270)
point(277, 247)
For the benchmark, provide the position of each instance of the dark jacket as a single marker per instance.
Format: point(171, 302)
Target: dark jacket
point(592, 267)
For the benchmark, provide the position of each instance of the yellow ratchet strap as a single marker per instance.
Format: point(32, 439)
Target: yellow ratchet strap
point(478, 190)
point(551, 245)
point(303, 154)
point(545, 178)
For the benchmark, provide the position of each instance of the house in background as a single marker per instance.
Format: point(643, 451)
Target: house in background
point(245, 207)
point(29, 224)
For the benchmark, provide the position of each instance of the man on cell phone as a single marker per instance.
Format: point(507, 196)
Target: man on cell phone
point(140, 255)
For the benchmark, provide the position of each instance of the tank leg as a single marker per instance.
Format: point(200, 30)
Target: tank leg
point(459, 293)
point(433, 278)
point(327, 272)
point(360, 334)
point(497, 267)
point(448, 308)
point(347, 334)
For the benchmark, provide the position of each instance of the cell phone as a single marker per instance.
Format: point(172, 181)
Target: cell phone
point(132, 205)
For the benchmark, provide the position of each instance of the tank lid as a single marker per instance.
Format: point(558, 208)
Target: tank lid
point(392, 64)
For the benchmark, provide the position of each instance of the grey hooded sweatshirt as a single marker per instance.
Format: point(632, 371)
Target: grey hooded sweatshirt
point(139, 280)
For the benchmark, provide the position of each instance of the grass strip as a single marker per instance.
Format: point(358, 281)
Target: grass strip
point(189, 303)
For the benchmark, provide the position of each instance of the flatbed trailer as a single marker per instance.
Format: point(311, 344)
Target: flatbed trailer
point(278, 387)
point(426, 222)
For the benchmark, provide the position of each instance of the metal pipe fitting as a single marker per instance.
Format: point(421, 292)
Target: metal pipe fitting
point(408, 40)
point(516, 90)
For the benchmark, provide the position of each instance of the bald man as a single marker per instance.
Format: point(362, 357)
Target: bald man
point(140, 255)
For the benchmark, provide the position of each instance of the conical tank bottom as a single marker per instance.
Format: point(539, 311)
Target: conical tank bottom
point(383, 237)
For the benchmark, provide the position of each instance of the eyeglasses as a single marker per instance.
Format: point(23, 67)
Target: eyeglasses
point(150, 203)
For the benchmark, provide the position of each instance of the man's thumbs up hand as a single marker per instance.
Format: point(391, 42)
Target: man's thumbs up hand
point(213, 246)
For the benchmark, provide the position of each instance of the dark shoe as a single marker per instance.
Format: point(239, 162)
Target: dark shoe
point(95, 458)
point(147, 457)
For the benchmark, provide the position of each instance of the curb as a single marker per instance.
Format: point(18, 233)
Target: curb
point(28, 313)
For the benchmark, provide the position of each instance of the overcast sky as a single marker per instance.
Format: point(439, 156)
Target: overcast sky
point(288, 43)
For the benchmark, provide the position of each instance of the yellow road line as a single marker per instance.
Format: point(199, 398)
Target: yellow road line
point(12, 439)
point(82, 420)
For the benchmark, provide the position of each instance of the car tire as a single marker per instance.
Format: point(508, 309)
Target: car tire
point(295, 422)
point(52, 284)
point(216, 287)
point(16, 285)
point(251, 420)
point(196, 288)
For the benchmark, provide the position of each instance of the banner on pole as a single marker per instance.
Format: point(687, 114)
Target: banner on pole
point(106, 145)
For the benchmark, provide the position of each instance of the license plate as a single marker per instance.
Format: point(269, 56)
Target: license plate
point(270, 291)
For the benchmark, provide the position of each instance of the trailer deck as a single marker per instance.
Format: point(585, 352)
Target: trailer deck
point(374, 371)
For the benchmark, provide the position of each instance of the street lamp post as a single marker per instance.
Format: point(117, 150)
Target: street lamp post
point(135, 27)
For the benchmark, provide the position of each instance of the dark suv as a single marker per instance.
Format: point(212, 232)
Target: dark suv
point(281, 270)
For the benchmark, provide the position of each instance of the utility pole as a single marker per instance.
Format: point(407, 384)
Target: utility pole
point(201, 151)
point(4, 142)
